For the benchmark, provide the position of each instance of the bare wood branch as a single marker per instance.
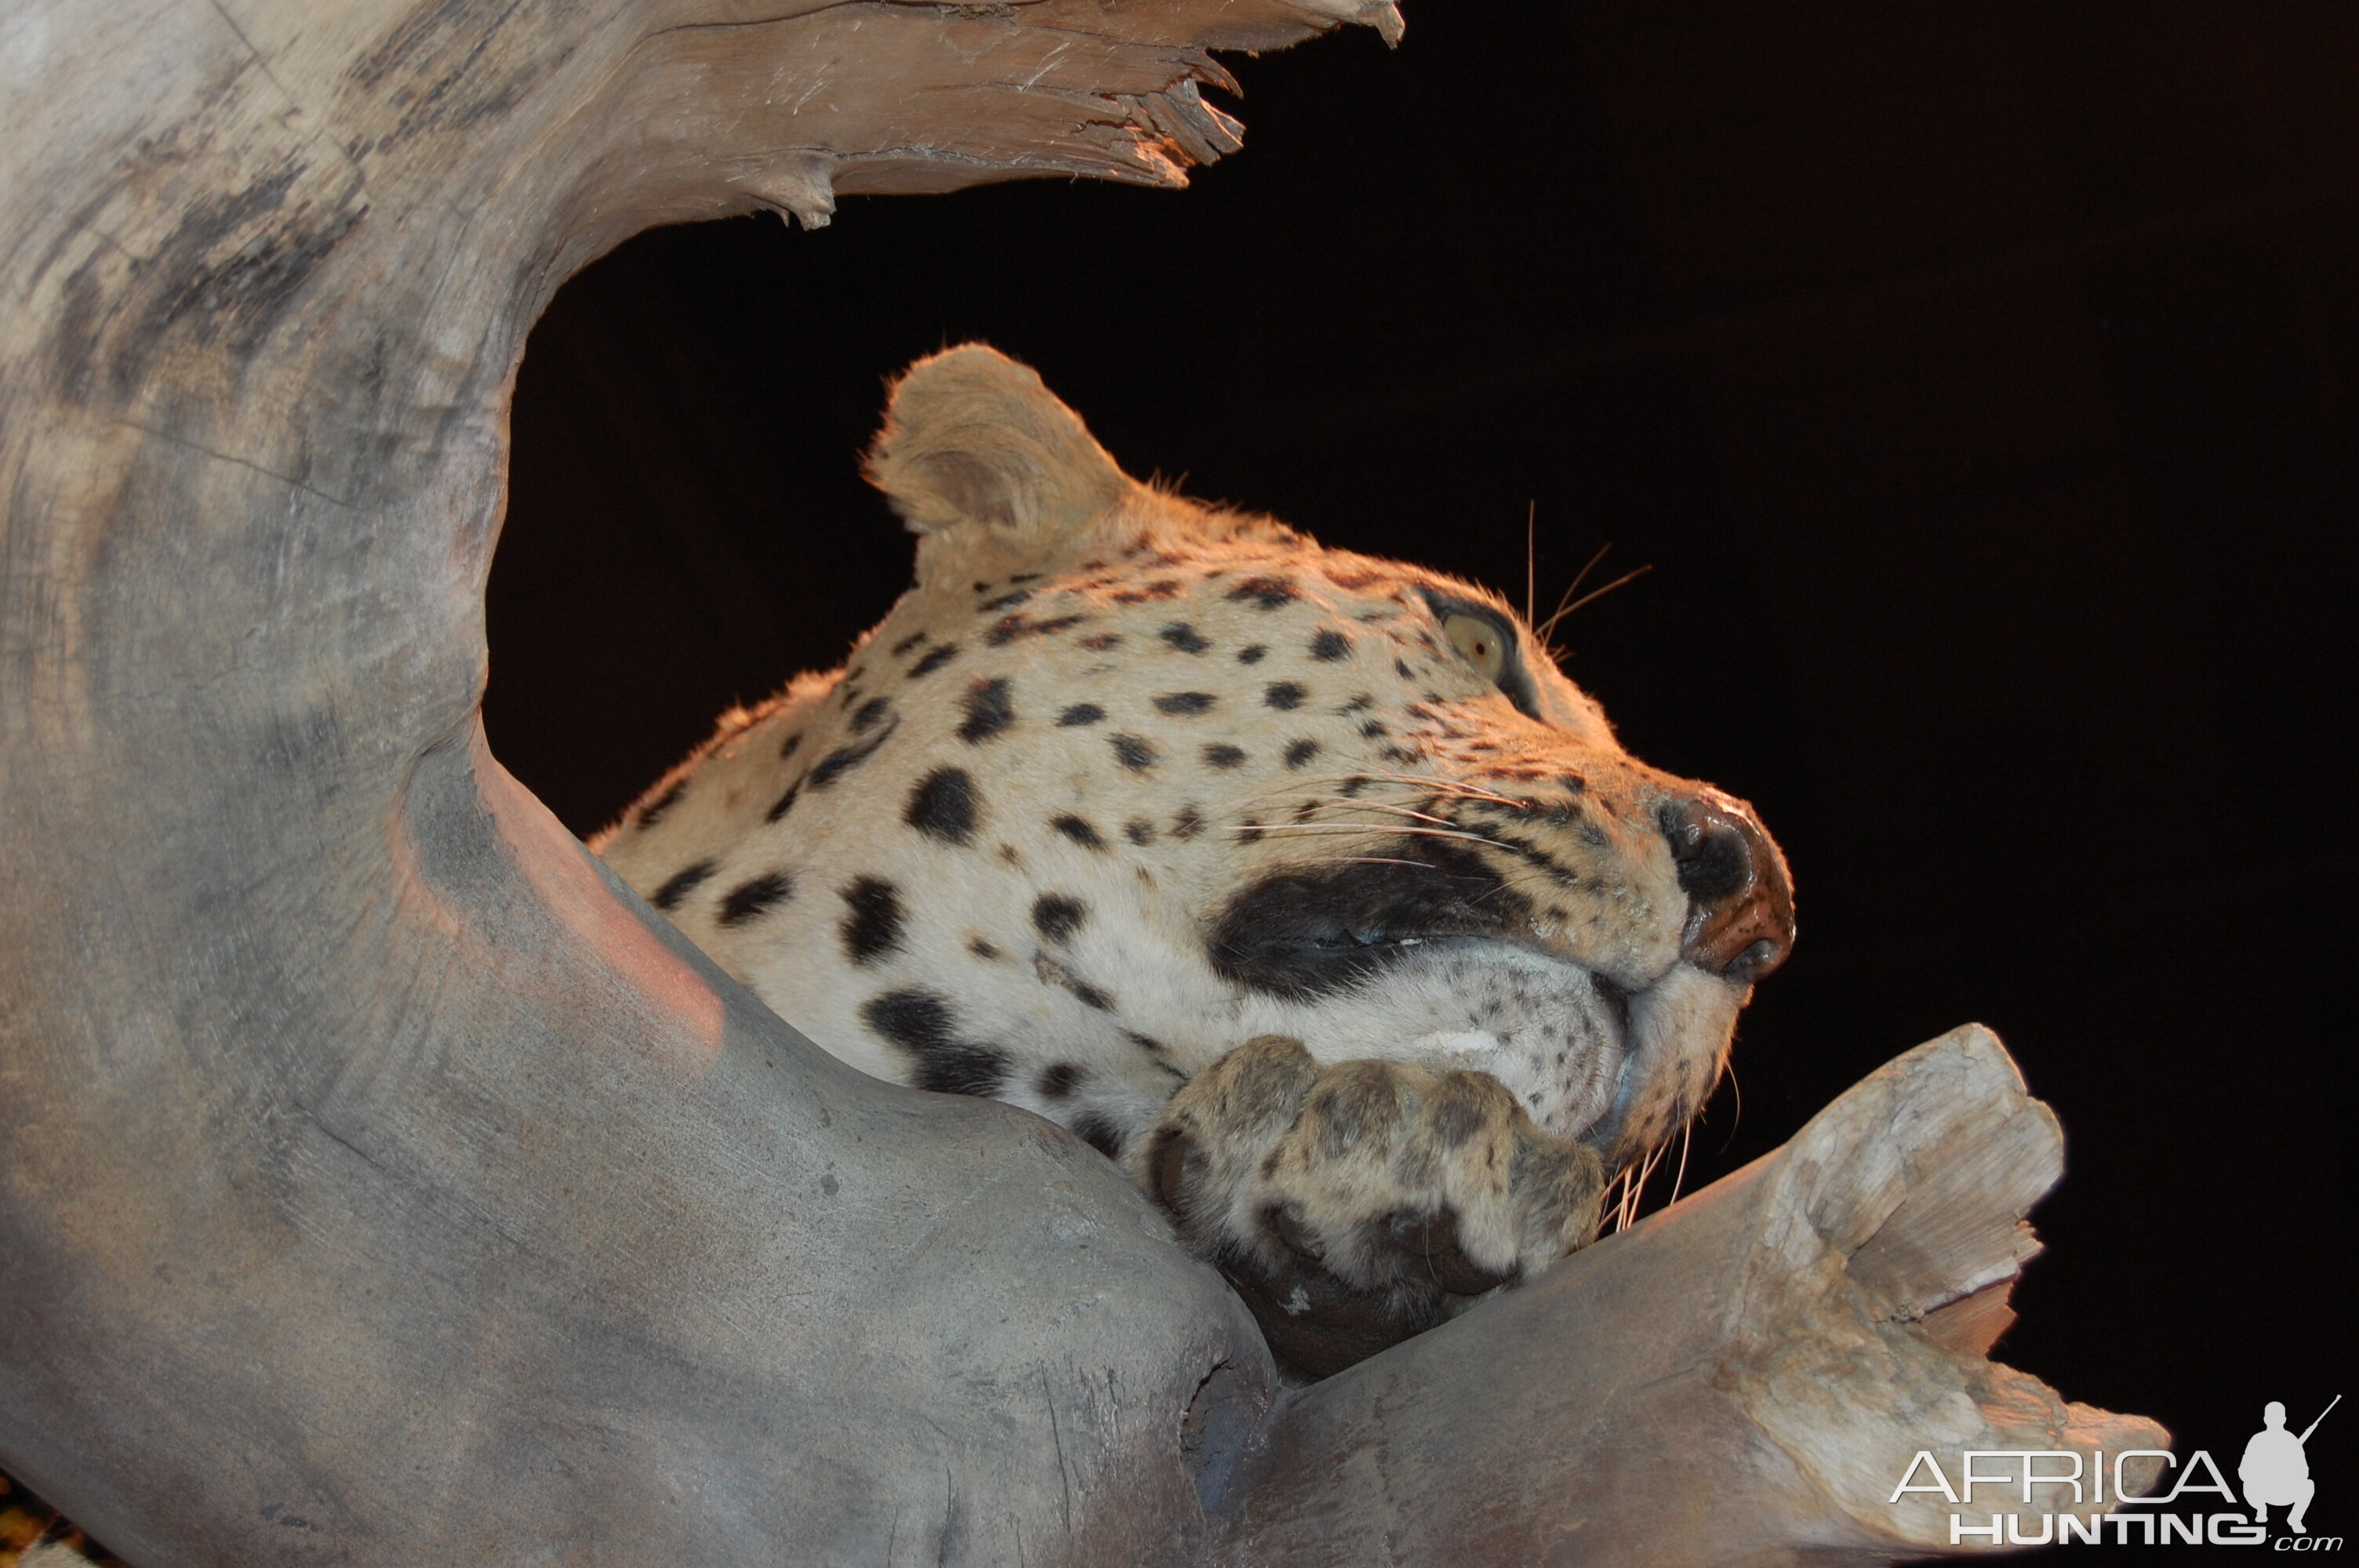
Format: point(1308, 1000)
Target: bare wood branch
point(380, 1182)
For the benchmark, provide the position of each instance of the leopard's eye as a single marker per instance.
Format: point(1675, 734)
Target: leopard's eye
point(1480, 641)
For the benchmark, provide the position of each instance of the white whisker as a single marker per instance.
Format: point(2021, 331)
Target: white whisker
point(1423, 783)
point(1399, 811)
point(1365, 828)
point(1635, 1192)
point(1446, 786)
point(1563, 608)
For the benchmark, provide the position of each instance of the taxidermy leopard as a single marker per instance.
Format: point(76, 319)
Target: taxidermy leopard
point(1300, 882)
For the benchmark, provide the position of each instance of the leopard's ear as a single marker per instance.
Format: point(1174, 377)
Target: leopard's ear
point(971, 436)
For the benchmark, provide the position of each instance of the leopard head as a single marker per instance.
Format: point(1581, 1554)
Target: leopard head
point(1123, 780)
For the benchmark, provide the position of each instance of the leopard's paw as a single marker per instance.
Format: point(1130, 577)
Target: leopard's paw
point(1356, 1203)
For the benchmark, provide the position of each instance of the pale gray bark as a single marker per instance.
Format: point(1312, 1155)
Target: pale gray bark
point(381, 1182)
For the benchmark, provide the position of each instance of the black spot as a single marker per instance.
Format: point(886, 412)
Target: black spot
point(907, 643)
point(1024, 576)
point(1375, 727)
point(1400, 668)
point(942, 805)
point(1300, 752)
point(1458, 1117)
point(1057, 1082)
point(1284, 695)
point(1252, 654)
point(988, 712)
point(1058, 915)
point(934, 661)
point(1161, 587)
point(661, 803)
point(1266, 592)
point(872, 713)
point(1574, 783)
point(1008, 628)
point(1184, 637)
point(843, 758)
point(1132, 752)
point(1053, 973)
point(1357, 704)
point(1146, 1043)
point(1188, 823)
point(1354, 784)
point(1006, 600)
point(1222, 755)
point(751, 899)
point(1346, 1111)
point(794, 743)
point(683, 883)
point(923, 1025)
point(872, 928)
point(1101, 642)
point(980, 949)
point(1138, 830)
point(1184, 702)
point(779, 808)
point(1079, 713)
point(1099, 1133)
point(1328, 646)
point(1079, 831)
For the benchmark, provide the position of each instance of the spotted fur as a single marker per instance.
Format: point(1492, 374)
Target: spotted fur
point(1125, 782)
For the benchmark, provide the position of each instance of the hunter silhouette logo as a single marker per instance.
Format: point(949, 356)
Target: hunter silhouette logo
point(2276, 1467)
point(2062, 1494)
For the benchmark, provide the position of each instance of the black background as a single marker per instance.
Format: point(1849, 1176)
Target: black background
point(1979, 384)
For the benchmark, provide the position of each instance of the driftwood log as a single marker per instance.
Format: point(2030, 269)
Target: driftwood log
point(381, 1182)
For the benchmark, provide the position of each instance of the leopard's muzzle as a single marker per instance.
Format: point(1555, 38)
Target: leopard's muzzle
point(1620, 1059)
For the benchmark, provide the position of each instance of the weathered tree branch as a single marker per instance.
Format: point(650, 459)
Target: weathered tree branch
point(381, 1182)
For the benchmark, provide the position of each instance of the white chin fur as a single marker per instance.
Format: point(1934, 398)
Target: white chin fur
point(1534, 1023)
point(1679, 1031)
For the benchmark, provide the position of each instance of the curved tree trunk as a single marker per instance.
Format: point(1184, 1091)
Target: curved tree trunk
point(383, 1182)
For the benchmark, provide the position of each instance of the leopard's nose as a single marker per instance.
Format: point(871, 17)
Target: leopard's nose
point(1740, 904)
